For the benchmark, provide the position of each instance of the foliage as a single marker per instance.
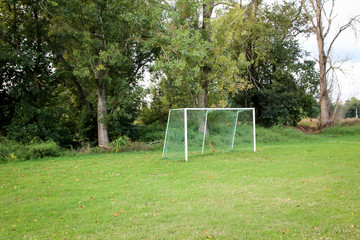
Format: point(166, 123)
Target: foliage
point(253, 59)
point(27, 82)
point(107, 54)
point(193, 62)
point(284, 84)
point(120, 143)
point(55, 55)
point(40, 149)
point(152, 132)
point(351, 107)
point(123, 112)
point(71, 69)
point(12, 151)
point(157, 109)
point(45, 123)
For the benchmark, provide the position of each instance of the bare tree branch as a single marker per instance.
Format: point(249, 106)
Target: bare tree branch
point(308, 14)
point(342, 28)
point(329, 19)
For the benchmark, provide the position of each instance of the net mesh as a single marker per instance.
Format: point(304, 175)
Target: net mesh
point(174, 147)
point(208, 132)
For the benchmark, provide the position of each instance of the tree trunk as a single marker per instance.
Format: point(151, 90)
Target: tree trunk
point(103, 136)
point(208, 7)
point(203, 95)
point(324, 100)
point(82, 94)
point(202, 102)
point(203, 98)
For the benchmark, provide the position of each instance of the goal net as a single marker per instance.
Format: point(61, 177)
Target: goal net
point(194, 131)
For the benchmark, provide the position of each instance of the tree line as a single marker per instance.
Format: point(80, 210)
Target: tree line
point(71, 71)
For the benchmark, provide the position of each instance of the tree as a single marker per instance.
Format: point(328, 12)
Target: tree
point(107, 50)
point(321, 20)
point(283, 83)
point(352, 108)
point(194, 64)
point(27, 78)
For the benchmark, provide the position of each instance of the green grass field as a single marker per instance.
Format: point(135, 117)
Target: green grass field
point(301, 190)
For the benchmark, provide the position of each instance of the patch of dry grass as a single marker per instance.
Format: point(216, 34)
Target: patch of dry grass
point(311, 122)
point(350, 122)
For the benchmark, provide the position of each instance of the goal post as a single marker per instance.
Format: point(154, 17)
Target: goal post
point(200, 130)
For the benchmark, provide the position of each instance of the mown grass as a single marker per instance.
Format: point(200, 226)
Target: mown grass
point(307, 189)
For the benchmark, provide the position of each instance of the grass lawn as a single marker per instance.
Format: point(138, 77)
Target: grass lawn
point(306, 190)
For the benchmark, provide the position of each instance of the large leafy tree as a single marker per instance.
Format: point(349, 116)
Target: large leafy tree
point(27, 77)
point(284, 85)
point(195, 68)
point(107, 48)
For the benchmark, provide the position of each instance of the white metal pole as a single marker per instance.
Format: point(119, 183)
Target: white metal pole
point(167, 126)
point(254, 130)
point(186, 137)
point(236, 121)
point(357, 116)
point(203, 146)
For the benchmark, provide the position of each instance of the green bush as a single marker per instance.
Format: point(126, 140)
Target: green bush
point(152, 132)
point(119, 144)
point(12, 151)
point(43, 149)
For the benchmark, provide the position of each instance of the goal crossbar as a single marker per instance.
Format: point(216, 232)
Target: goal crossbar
point(207, 111)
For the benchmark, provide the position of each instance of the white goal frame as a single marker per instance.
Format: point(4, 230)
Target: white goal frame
point(208, 109)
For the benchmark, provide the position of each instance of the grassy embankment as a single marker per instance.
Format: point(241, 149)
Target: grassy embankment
point(307, 188)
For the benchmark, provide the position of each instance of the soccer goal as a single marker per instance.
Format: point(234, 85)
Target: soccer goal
point(203, 130)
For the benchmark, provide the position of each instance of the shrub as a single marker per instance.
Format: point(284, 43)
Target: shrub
point(43, 149)
point(152, 132)
point(12, 151)
point(119, 144)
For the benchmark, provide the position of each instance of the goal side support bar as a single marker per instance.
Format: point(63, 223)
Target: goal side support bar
point(186, 135)
point(166, 132)
point(254, 129)
point(236, 121)
point(205, 126)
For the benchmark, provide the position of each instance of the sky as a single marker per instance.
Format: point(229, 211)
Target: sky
point(347, 46)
